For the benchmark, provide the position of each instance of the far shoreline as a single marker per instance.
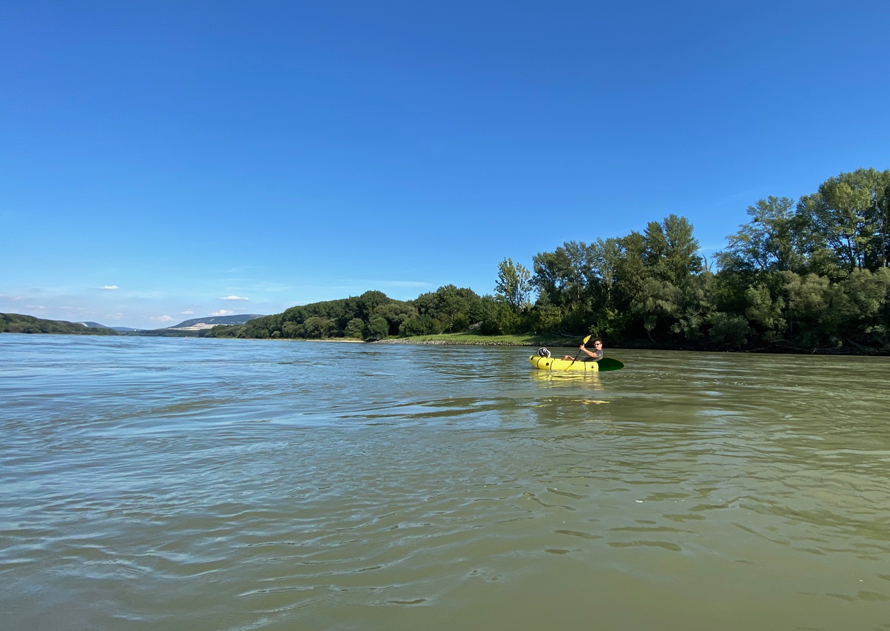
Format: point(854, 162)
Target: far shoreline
point(459, 339)
point(532, 343)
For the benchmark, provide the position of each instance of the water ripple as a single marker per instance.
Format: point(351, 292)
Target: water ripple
point(216, 484)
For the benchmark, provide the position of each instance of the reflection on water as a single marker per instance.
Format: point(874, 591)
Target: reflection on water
point(228, 484)
point(584, 385)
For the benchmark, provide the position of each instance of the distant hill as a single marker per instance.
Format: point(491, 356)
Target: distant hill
point(16, 323)
point(94, 325)
point(199, 324)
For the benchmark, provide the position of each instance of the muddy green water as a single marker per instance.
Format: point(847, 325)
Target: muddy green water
point(173, 484)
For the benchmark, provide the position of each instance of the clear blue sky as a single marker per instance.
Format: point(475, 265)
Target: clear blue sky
point(162, 160)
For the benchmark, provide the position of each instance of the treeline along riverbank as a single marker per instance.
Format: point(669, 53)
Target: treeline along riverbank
point(15, 323)
point(809, 275)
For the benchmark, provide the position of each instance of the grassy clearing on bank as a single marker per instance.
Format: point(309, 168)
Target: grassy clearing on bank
point(485, 340)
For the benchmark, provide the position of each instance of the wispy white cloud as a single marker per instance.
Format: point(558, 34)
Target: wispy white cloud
point(114, 316)
point(223, 312)
point(163, 318)
point(108, 287)
point(234, 298)
point(187, 312)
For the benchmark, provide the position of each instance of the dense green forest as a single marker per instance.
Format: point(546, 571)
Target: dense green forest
point(810, 275)
point(15, 323)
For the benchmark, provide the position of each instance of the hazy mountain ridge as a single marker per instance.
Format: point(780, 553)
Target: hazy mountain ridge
point(94, 325)
point(212, 321)
point(19, 323)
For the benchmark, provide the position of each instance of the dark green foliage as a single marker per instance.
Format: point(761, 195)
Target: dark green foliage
point(766, 312)
point(353, 328)
point(368, 302)
point(500, 318)
point(697, 308)
point(395, 313)
point(729, 330)
point(452, 306)
point(420, 325)
point(866, 310)
point(376, 329)
point(449, 308)
point(226, 331)
point(545, 318)
point(316, 327)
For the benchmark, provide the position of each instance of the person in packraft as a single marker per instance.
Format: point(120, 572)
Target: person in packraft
point(592, 355)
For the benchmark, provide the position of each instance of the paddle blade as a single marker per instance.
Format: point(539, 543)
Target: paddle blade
point(586, 339)
point(607, 363)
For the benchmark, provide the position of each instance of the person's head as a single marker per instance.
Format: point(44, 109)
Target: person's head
point(597, 344)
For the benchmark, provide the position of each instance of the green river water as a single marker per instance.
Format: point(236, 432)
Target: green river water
point(169, 484)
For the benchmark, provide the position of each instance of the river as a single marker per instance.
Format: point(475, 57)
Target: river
point(201, 484)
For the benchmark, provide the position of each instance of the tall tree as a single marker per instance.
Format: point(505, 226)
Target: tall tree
point(630, 270)
point(451, 305)
point(769, 242)
point(850, 214)
point(671, 252)
point(513, 286)
point(603, 257)
point(368, 301)
point(394, 312)
point(564, 276)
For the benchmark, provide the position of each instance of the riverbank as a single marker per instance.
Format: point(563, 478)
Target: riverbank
point(536, 341)
point(475, 339)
